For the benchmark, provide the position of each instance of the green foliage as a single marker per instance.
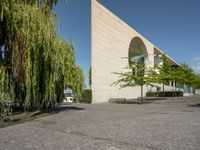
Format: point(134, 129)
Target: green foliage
point(90, 77)
point(181, 74)
point(87, 96)
point(166, 94)
point(196, 81)
point(161, 73)
point(132, 77)
point(184, 75)
point(38, 64)
point(136, 75)
point(78, 87)
point(74, 77)
point(5, 95)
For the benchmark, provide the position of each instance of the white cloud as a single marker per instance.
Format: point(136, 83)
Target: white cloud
point(197, 68)
point(196, 63)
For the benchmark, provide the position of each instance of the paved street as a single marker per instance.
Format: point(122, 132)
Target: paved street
point(172, 124)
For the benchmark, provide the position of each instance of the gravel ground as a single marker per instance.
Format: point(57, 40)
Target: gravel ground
point(172, 124)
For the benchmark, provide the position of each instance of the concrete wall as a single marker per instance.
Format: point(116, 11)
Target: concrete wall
point(110, 41)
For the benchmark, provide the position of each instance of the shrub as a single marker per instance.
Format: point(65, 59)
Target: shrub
point(166, 94)
point(87, 96)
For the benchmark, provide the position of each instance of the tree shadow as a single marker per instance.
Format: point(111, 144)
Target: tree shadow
point(194, 105)
point(57, 110)
point(135, 102)
point(129, 101)
point(20, 117)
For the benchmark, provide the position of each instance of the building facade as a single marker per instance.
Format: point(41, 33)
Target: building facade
point(112, 42)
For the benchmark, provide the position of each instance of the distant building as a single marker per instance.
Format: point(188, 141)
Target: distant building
point(69, 96)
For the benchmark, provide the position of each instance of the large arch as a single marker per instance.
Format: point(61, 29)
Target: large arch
point(137, 50)
point(137, 58)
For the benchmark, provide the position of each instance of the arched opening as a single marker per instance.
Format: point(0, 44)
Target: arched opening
point(137, 50)
point(137, 56)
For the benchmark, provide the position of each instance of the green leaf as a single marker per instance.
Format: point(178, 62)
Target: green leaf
point(1, 13)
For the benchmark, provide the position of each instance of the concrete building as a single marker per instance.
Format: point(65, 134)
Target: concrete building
point(112, 40)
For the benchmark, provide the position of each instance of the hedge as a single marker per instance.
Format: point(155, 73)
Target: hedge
point(166, 94)
point(87, 96)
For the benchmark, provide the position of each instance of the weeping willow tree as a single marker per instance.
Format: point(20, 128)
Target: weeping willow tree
point(5, 95)
point(74, 79)
point(36, 65)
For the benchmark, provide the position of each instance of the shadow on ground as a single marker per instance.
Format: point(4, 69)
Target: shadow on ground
point(132, 102)
point(195, 105)
point(20, 116)
point(146, 100)
point(58, 110)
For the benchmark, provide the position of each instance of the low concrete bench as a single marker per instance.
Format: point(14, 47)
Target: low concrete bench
point(133, 101)
point(149, 99)
point(117, 100)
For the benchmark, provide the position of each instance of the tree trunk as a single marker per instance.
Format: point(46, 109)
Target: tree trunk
point(141, 93)
point(163, 90)
point(175, 89)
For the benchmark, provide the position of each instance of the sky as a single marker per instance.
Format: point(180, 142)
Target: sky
point(171, 25)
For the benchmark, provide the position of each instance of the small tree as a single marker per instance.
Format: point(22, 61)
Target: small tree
point(181, 74)
point(188, 77)
point(176, 76)
point(136, 76)
point(196, 81)
point(161, 74)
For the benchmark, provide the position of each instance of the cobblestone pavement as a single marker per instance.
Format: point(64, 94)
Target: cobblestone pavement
point(172, 124)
